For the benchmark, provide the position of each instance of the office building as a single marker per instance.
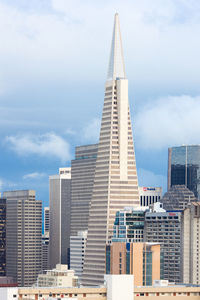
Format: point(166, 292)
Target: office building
point(77, 252)
point(129, 225)
point(149, 195)
point(23, 236)
point(2, 237)
point(191, 244)
point(46, 221)
point(165, 228)
point(45, 252)
point(184, 167)
point(59, 208)
point(58, 277)
point(177, 198)
point(115, 181)
point(82, 180)
point(140, 259)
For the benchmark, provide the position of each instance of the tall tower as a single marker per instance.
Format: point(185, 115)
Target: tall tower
point(115, 182)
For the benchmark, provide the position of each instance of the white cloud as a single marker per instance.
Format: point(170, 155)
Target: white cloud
point(150, 179)
point(168, 121)
point(45, 145)
point(34, 175)
point(92, 130)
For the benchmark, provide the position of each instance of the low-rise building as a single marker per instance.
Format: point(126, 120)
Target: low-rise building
point(140, 259)
point(60, 277)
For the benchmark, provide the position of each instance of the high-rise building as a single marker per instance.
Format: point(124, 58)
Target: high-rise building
point(140, 259)
point(115, 181)
point(165, 228)
point(82, 180)
point(149, 195)
point(2, 237)
point(59, 207)
point(184, 167)
point(177, 198)
point(77, 252)
point(23, 236)
point(191, 244)
point(46, 221)
point(129, 225)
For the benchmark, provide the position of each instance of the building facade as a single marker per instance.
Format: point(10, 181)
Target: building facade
point(59, 207)
point(46, 221)
point(77, 252)
point(140, 259)
point(184, 167)
point(23, 236)
point(165, 228)
point(115, 180)
point(149, 195)
point(82, 180)
point(129, 225)
point(191, 244)
point(177, 198)
point(2, 237)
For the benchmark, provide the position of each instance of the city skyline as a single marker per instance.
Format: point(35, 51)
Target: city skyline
point(38, 110)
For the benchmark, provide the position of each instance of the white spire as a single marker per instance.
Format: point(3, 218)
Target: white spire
point(116, 67)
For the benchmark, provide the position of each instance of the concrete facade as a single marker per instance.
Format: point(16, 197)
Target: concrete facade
point(149, 195)
point(2, 237)
point(23, 236)
point(59, 206)
point(191, 244)
point(77, 253)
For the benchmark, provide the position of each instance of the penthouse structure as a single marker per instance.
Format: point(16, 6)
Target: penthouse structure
point(115, 180)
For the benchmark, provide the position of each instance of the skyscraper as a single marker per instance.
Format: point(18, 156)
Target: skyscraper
point(23, 236)
point(184, 167)
point(59, 207)
point(82, 180)
point(115, 180)
point(2, 237)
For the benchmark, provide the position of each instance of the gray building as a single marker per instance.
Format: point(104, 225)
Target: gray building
point(149, 195)
point(23, 236)
point(2, 237)
point(82, 180)
point(59, 205)
point(177, 198)
point(184, 167)
point(165, 228)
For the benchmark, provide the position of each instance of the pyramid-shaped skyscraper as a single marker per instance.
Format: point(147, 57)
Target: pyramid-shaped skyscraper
point(115, 181)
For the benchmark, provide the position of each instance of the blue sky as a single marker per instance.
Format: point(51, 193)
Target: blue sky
point(53, 64)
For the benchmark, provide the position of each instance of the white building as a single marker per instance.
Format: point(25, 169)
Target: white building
point(60, 277)
point(77, 252)
point(149, 195)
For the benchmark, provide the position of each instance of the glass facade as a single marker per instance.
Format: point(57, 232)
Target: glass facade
point(184, 167)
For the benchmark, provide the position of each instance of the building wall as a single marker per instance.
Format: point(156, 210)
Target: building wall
point(83, 168)
point(24, 233)
point(149, 195)
point(2, 237)
point(59, 205)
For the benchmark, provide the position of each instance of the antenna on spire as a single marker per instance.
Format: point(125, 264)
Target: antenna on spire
point(116, 68)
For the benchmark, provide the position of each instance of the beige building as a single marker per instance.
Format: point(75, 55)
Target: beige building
point(60, 277)
point(191, 244)
point(59, 207)
point(23, 236)
point(140, 259)
point(115, 181)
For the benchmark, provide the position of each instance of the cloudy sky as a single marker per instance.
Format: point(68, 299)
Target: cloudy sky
point(53, 64)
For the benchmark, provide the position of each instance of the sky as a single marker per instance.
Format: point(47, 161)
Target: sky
point(53, 64)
